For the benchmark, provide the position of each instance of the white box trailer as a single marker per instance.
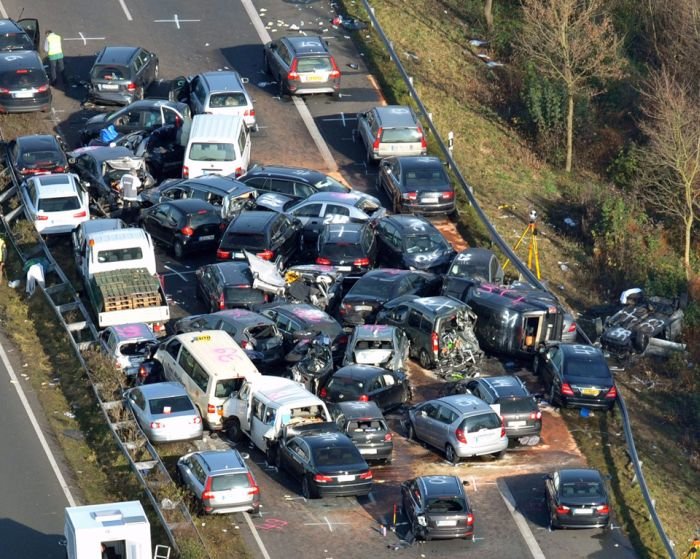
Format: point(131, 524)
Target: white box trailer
point(122, 528)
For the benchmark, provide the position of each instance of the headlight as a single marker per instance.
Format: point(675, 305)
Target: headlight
point(412, 268)
point(421, 520)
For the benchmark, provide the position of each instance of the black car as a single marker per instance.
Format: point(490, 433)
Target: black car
point(121, 75)
point(22, 34)
point(577, 498)
point(350, 247)
point(519, 409)
point(364, 423)
point(184, 225)
point(147, 115)
point(228, 285)
point(326, 462)
point(437, 507)
point(268, 235)
point(416, 184)
point(295, 182)
point(257, 335)
point(576, 375)
point(412, 242)
point(365, 383)
point(469, 267)
point(162, 151)
point(376, 287)
point(305, 322)
point(37, 154)
point(24, 85)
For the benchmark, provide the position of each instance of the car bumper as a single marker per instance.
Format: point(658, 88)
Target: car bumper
point(381, 451)
point(524, 431)
point(308, 88)
point(593, 403)
point(381, 154)
point(54, 229)
point(345, 490)
point(444, 533)
point(428, 209)
point(39, 103)
point(111, 98)
point(196, 246)
point(466, 451)
point(176, 435)
point(570, 521)
point(230, 508)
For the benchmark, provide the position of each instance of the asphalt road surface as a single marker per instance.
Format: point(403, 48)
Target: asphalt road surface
point(191, 37)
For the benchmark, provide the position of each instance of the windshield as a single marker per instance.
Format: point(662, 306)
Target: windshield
point(109, 72)
point(204, 217)
point(426, 178)
point(468, 270)
point(342, 251)
point(170, 404)
point(314, 64)
point(372, 287)
point(211, 151)
point(15, 41)
point(240, 240)
point(587, 369)
point(119, 255)
point(224, 388)
point(62, 204)
point(331, 185)
point(401, 135)
point(446, 504)
point(419, 244)
point(517, 405)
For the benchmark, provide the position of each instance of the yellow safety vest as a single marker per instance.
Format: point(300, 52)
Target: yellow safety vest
point(53, 42)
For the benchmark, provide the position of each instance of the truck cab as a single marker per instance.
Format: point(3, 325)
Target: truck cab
point(105, 251)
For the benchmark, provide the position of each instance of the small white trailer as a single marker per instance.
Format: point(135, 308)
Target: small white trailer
point(111, 530)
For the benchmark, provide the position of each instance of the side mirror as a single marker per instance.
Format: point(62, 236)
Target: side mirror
point(422, 413)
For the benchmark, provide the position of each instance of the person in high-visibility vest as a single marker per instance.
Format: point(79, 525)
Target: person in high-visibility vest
point(3, 258)
point(54, 50)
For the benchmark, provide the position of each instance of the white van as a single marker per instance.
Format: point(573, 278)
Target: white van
point(211, 366)
point(218, 145)
point(265, 404)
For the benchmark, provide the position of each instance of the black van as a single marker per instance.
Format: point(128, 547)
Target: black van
point(24, 85)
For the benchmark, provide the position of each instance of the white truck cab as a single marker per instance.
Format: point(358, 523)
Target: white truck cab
point(119, 249)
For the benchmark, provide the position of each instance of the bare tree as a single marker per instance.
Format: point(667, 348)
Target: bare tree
point(573, 42)
point(488, 14)
point(670, 163)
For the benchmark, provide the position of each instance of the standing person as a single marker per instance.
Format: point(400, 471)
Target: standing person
point(129, 186)
point(54, 50)
point(3, 258)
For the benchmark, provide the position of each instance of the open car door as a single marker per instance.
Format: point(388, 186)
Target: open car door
point(180, 90)
point(31, 28)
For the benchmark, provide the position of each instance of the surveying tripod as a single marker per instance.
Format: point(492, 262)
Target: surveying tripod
point(532, 251)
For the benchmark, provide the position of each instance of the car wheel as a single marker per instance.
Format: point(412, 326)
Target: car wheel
point(450, 454)
point(178, 250)
point(424, 359)
point(234, 431)
point(307, 490)
point(411, 432)
point(500, 454)
point(552, 396)
point(387, 461)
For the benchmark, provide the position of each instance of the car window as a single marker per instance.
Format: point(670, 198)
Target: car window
point(302, 190)
point(556, 357)
point(228, 99)
point(446, 504)
point(242, 139)
point(284, 53)
point(414, 319)
point(446, 415)
point(176, 193)
point(477, 423)
point(138, 399)
point(296, 447)
point(173, 347)
point(170, 404)
point(109, 72)
point(198, 472)
point(137, 64)
point(230, 481)
point(226, 387)
point(281, 185)
point(314, 64)
point(376, 383)
point(431, 410)
point(310, 210)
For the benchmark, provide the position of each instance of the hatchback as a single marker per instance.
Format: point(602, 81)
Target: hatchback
point(294, 182)
point(55, 203)
point(416, 185)
point(121, 75)
point(37, 154)
point(366, 383)
point(577, 498)
point(460, 425)
point(412, 242)
point(390, 130)
point(302, 65)
point(24, 85)
point(437, 507)
point(228, 285)
point(165, 412)
point(576, 375)
point(268, 235)
point(220, 480)
point(364, 423)
point(128, 345)
point(185, 226)
point(350, 247)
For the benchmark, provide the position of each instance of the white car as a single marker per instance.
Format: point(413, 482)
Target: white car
point(55, 203)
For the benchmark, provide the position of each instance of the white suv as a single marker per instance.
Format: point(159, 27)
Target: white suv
point(55, 203)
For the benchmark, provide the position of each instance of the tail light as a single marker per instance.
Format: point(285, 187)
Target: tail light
point(603, 509)
point(612, 393)
point(563, 509)
point(60, 170)
point(131, 86)
point(361, 262)
point(388, 437)
point(366, 475)
point(254, 489)
point(42, 217)
point(42, 88)
point(423, 143)
point(470, 519)
point(157, 326)
point(572, 327)
point(436, 342)
point(293, 74)
point(323, 393)
point(461, 436)
point(536, 415)
point(143, 372)
point(238, 172)
point(377, 140)
point(410, 196)
point(320, 478)
point(157, 425)
point(245, 344)
point(448, 195)
point(222, 302)
point(207, 494)
point(187, 231)
point(211, 408)
point(363, 398)
point(566, 389)
point(185, 172)
point(323, 261)
point(223, 254)
point(197, 420)
point(335, 72)
point(249, 112)
point(266, 254)
point(503, 428)
point(4, 90)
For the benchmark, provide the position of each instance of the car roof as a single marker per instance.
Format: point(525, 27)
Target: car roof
point(252, 220)
point(244, 316)
point(191, 205)
point(20, 59)
point(55, 185)
point(38, 141)
point(350, 198)
point(506, 386)
point(309, 175)
point(222, 461)
point(219, 183)
point(320, 440)
point(350, 233)
point(234, 272)
point(359, 371)
point(395, 116)
point(162, 390)
point(103, 153)
point(156, 103)
point(374, 331)
point(307, 45)
point(116, 55)
point(411, 162)
point(411, 223)
point(465, 403)
point(441, 485)
point(572, 352)
point(360, 410)
point(579, 474)
point(439, 304)
point(228, 80)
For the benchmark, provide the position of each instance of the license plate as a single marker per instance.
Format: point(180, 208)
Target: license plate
point(207, 238)
point(516, 423)
point(344, 268)
point(363, 308)
point(23, 94)
point(109, 86)
point(446, 523)
point(238, 255)
point(429, 200)
point(590, 391)
point(368, 451)
point(313, 78)
point(582, 512)
point(346, 478)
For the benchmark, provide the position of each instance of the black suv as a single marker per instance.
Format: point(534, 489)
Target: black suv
point(364, 423)
point(301, 65)
point(268, 235)
point(294, 182)
point(350, 247)
point(37, 154)
point(437, 507)
point(519, 409)
point(121, 75)
point(22, 34)
point(24, 85)
point(305, 322)
point(228, 285)
point(407, 241)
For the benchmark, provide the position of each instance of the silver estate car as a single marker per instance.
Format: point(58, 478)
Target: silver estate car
point(378, 345)
point(165, 412)
point(461, 425)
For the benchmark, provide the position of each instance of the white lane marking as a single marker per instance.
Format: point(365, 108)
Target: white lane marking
point(342, 115)
point(520, 521)
point(298, 103)
point(3, 11)
point(343, 119)
point(474, 484)
point(127, 13)
point(83, 38)
point(176, 20)
point(37, 429)
point(264, 552)
point(177, 273)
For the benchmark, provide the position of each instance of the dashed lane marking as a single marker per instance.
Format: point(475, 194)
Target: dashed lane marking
point(176, 20)
point(83, 38)
point(126, 11)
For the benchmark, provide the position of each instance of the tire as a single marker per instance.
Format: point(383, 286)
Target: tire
point(387, 461)
point(450, 454)
point(411, 432)
point(424, 359)
point(498, 455)
point(307, 490)
point(178, 250)
point(234, 431)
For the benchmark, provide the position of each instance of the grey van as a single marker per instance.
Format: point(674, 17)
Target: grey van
point(390, 130)
point(461, 425)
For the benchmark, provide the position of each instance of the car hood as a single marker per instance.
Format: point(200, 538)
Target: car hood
point(427, 260)
point(274, 202)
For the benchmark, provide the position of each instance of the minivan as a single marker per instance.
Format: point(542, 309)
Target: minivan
point(460, 425)
point(218, 145)
point(24, 85)
point(390, 130)
point(211, 365)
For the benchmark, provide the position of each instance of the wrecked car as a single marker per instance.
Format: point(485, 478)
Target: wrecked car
point(469, 267)
point(379, 345)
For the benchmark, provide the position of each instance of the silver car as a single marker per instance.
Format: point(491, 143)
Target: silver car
point(220, 480)
point(460, 425)
point(378, 345)
point(165, 412)
point(390, 130)
point(128, 345)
